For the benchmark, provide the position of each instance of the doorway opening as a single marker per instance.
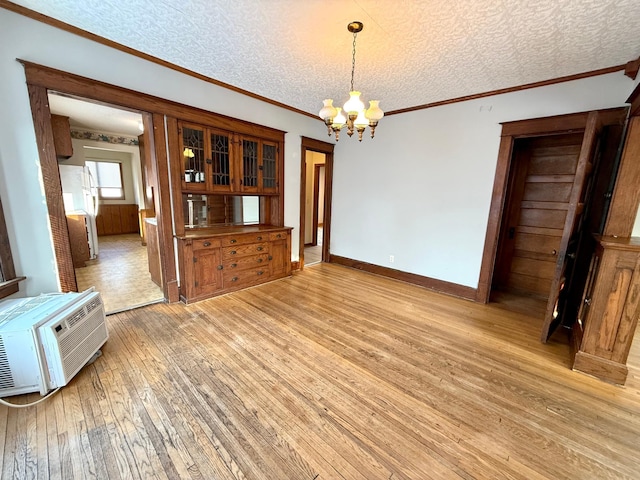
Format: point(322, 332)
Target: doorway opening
point(104, 191)
point(553, 182)
point(315, 201)
point(314, 206)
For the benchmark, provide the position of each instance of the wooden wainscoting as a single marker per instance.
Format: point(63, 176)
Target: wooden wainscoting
point(330, 374)
point(118, 219)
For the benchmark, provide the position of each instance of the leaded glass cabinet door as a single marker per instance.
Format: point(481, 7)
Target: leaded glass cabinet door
point(220, 161)
point(269, 167)
point(249, 163)
point(192, 150)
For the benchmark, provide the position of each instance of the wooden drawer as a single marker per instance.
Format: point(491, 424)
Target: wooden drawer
point(231, 253)
point(244, 239)
point(277, 235)
point(251, 276)
point(242, 263)
point(206, 243)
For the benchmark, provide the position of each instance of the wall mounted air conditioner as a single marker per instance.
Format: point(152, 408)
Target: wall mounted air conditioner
point(46, 340)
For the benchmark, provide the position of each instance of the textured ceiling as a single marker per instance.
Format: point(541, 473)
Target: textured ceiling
point(410, 53)
point(93, 116)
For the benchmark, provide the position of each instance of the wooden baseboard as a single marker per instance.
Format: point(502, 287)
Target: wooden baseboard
point(601, 368)
point(295, 266)
point(436, 285)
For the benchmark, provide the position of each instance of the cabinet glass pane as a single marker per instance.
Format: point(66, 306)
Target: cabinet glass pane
point(249, 163)
point(220, 157)
point(269, 166)
point(193, 153)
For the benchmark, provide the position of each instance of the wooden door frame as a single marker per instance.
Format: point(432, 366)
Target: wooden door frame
point(511, 131)
point(313, 145)
point(316, 198)
point(41, 80)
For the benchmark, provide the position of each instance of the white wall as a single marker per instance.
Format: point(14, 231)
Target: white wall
point(20, 175)
point(421, 189)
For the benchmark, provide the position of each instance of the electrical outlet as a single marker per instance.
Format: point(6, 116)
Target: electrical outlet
point(391, 258)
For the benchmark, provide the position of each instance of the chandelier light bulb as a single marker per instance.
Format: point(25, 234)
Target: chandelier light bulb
point(354, 105)
point(328, 111)
point(339, 120)
point(374, 112)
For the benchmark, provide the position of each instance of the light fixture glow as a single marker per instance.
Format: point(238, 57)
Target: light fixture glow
point(357, 118)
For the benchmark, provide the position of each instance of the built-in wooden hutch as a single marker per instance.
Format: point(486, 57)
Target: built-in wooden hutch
point(227, 178)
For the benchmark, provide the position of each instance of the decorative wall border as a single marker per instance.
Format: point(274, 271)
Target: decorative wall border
point(103, 137)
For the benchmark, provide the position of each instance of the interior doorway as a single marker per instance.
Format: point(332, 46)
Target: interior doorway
point(555, 177)
point(104, 192)
point(314, 206)
point(315, 201)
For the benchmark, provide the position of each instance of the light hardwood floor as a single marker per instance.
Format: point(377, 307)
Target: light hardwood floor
point(331, 374)
point(120, 273)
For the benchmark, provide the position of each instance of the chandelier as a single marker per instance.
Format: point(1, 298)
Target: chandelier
point(357, 118)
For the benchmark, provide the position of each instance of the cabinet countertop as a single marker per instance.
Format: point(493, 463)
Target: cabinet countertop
point(228, 230)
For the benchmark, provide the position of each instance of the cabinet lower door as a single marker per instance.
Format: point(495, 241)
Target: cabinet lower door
point(207, 271)
point(280, 262)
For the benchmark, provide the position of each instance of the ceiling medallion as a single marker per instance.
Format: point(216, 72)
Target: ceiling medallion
point(357, 118)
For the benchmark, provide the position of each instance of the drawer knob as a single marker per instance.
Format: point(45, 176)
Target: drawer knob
point(233, 252)
point(206, 244)
point(260, 260)
point(234, 279)
point(270, 257)
point(220, 267)
point(260, 272)
point(260, 249)
point(259, 238)
point(234, 265)
point(233, 240)
point(279, 236)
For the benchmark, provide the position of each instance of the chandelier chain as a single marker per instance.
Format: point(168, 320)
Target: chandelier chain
point(353, 60)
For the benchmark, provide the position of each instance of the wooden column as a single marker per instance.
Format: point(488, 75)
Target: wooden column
point(609, 314)
point(610, 311)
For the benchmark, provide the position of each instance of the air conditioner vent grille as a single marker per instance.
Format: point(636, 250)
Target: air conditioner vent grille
point(93, 304)
point(76, 317)
point(6, 377)
point(79, 333)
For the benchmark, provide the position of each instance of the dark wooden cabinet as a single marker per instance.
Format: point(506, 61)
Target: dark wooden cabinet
point(219, 161)
point(78, 240)
point(224, 259)
point(610, 309)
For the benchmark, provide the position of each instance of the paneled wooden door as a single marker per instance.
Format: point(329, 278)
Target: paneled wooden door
point(538, 200)
point(545, 199)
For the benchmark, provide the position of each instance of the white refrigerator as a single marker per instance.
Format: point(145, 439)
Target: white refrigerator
point(80, 196)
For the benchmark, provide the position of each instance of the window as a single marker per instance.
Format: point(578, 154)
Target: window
point(108, 178)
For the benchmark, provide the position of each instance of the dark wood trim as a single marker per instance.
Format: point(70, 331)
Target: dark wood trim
point(527, 86)
point(561, 124)
point(631, 68)
point(316, 197)
point(109, 94)
point(602, 368)
point(118, 46)
point(314, 145)
point(10, 286)
point(626, 194)
point(162, 198)
point(295, 266)
point(39, 101)
point(495, 218)
point(440, 286)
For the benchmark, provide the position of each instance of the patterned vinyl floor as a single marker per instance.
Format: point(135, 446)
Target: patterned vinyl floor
point(120, 274)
